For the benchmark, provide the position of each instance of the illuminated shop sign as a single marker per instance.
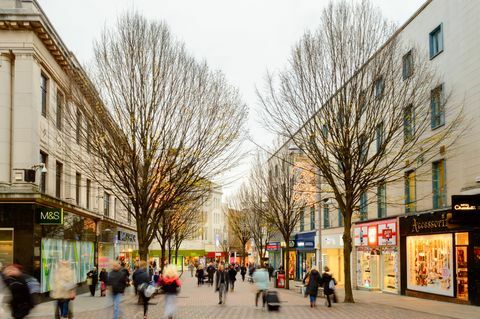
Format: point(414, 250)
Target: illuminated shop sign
point(50, 216)
point(379, 233)
point(466, 203)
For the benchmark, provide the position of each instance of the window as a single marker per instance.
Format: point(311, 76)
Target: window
point(363, 206)
point(439, 184)
point(60, 102)
point(407, 65)
point(436, 41)
point(379, 86)
point(326, 216)
point(58, 179)
point(88, 137)
point(115, 207)
point(410, 192)
point(89, 186)
point(340, 218)
point(106, 204)
point(362, 101)
point(78, 181)
point(79, 127)
point(408, 123)
point(363, 147)
point(302, 219)
point(381, 200)
point(325, 131)
point(43, 176)
point(437, 107)
point(129, 218)
point(312, 217)
point(380, 136)
point(43, 92)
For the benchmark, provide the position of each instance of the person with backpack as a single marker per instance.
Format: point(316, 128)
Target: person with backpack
point(170, 283)
point(328, 283)
point(312, 283)
point(21, 300)
point(117, 281)
point(142, 281)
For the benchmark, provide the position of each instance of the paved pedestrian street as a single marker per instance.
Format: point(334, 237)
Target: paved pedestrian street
point(202, 303)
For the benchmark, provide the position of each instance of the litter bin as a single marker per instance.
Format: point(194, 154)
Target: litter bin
point(280, 280)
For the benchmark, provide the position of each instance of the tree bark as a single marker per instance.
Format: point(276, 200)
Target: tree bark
point(347, 251)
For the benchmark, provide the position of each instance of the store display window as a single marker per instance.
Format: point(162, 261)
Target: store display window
point(390, 270)
point(430, 264)
point(461, 253)
point(368, 265)
point(291, 264)
point(6, 246)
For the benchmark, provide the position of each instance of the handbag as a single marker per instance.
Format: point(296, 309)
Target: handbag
point(89, 281)
point(102, 285)
point(149, 291)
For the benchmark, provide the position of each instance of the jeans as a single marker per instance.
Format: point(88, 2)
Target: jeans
point(222, 293)
point(117, 297)
point(313, 298)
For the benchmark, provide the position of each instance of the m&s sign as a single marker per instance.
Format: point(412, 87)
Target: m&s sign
point(50, 216)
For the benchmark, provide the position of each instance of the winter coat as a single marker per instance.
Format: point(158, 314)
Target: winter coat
point(103, 276)
point(220, 276)
point(260, 277)
point(170, 285)
point(94, 275)
point(314, 280)
point(211, 271)
point(117, 280)
point(243, 270)
point(21, 301)
point(63, 283)
point(232, 274)
point(200, 273)
point(325, 282)
point(141, 277)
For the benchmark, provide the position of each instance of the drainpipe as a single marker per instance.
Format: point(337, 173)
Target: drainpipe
point(12, 77)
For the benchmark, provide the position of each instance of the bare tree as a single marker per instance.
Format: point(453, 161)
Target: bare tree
point(358, 102)
point(160, 125)
point(237, 224)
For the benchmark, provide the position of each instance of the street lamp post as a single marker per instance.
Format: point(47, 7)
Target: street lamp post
point(319, 223)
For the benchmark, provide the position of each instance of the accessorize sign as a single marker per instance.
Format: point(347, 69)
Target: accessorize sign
point(49, 216)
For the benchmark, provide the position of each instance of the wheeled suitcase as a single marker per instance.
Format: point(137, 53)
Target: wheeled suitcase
point(273, 303)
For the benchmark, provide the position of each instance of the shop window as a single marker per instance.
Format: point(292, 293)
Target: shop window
point(6, 246)
point(410, 192)
point(430, 264)
point(461, 253)
point(439, 185)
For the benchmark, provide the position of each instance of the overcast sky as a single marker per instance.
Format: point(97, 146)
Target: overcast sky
point(243, 38)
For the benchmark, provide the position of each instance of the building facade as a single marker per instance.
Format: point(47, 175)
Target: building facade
point(49, 209)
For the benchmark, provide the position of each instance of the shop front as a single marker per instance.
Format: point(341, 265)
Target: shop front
point(440, 259)
point(126, 246)
point(305, 248)
point(274, 254)
point(332, 252)
point(377, 256)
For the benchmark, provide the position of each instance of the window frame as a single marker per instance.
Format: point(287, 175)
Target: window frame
point(381, 200)
point(60, 108)
point(106, 204)
point(437, 93)
point(407, 65)
point(436, 33)
point(302, 219)
point(378, 90)
point(44, 93)
point(410, 204)
point(58, 179)
point(411, 112)
point(439, 199)
point(78, 185)
point(326, 216)
point(363, 207)
point(312, 217)
point(380, 135)
point(88, 191)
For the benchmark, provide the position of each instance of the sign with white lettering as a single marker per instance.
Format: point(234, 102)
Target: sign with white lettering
point(49, 216)
point(466, 203)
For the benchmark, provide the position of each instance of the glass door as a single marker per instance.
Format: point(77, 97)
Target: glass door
point(461, 251)
point(6, 246)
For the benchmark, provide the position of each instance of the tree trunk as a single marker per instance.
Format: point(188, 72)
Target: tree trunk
point(347, 250)
point(143, 242)
point(287, 263)
point(162, 260)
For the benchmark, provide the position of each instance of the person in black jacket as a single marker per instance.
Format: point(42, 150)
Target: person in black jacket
point(117, 281)
point(312, 282)
point(21, 301)
point(232, 277)
point(142, 280)
point(211, 273)
point(200, 275)
point(221, 284)
point(103, 282)
point(92, 280)
point(243, 272)
point(325, 281)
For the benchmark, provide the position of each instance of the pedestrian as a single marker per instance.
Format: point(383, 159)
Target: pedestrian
point(221, 284)
point(200, 274)
point(117, 283)
point(191, 268)
point(21, 301)
point(232, 277)
point(63, 287)
point(260, 277)
point(270, 272)
point(156, 277)
point(142, 280)
point(170, 283)
point(243, 272)
point(92, 280)
point(312, 283)
point(210, 273)
point(103, 282)
point(328, 283)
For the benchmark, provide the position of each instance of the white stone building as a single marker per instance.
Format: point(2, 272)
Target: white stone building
point(48, 209)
